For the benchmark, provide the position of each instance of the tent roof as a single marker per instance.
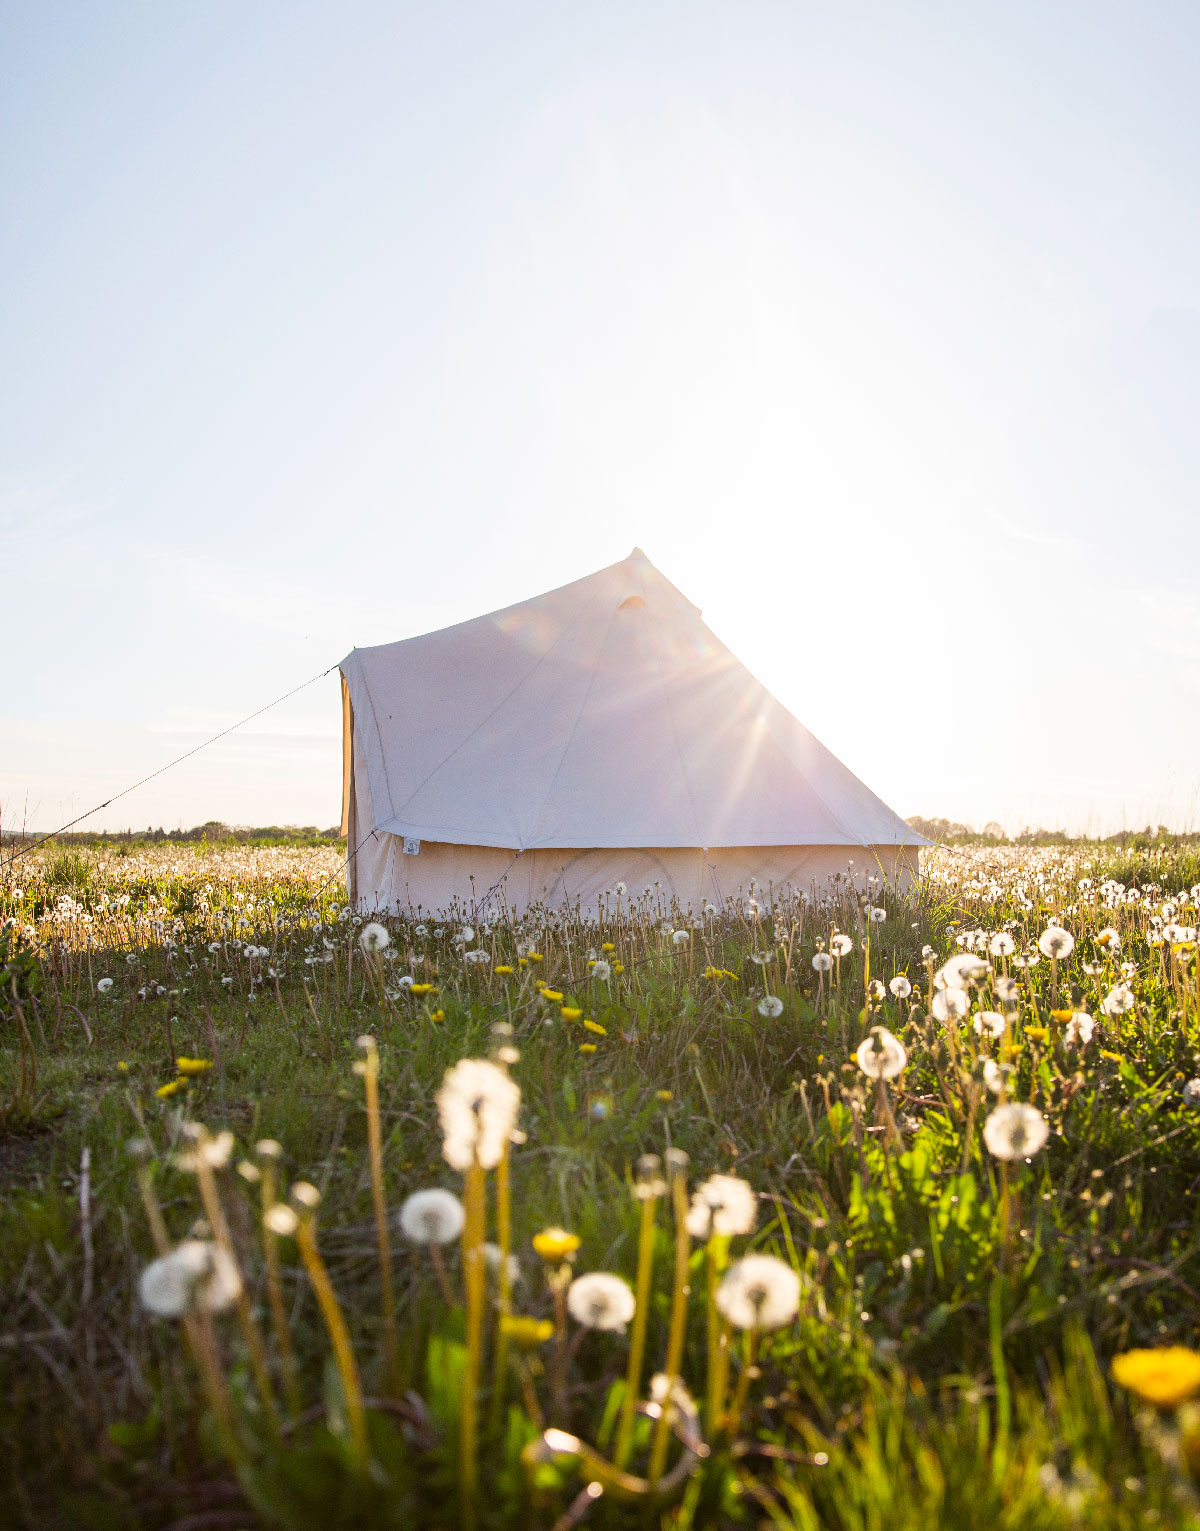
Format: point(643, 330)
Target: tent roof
point(601, 714)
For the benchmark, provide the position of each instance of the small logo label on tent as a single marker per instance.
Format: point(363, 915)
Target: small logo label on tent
point(412, 847)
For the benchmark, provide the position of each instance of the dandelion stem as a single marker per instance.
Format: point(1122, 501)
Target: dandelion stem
point(475, 1282)
point(715, 1252)
point(504, 1282)
point(637, 1339)
point(279, 1318)
point(339, 1336)
point(379, 1197)
point(679, 1299)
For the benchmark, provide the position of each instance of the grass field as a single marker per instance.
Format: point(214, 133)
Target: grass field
point(947, 1316)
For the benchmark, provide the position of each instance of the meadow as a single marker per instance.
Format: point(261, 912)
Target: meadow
point(869, 1209)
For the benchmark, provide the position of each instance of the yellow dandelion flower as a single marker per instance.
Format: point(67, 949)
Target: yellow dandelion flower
point(596, 1027)
point(523, 962)
point(1038, 1033)
point(587, 1047)
point(165, 1091)
point(664, 1095)
point(190, 1067)
point(1166, 1377)
point(422, 988)
point(122, 1067)
point(1112, 1057)
point(526, 1333)
point(555, 1244)
point(1061, 1016)
point(618, 967)
point(570, 1013)
point(502, 968)
point(553, 994)
point(535, 956)
point(608, 947)
point(438, 1015)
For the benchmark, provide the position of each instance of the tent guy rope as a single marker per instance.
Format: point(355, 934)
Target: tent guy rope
point(187, 755)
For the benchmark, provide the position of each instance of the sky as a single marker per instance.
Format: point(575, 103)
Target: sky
point(877, 327)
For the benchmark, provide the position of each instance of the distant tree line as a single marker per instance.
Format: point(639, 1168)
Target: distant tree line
point(213, 831)
point(947, 832)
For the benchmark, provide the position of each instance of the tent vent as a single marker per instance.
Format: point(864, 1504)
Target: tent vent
point(631, 603)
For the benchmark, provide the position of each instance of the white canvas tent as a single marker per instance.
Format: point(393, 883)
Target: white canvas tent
point(595, 734)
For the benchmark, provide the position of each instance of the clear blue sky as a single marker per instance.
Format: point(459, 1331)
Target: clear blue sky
point(876, 326)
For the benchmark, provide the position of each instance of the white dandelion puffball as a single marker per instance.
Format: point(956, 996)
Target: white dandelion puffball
point(374, 938)
point(1109, 939)
point(878, 915)
point(1015, 1131)
point(1191, 1092)
point(900, 986)
point(759, 1292)
point(722, 1205)
point(196, 1275)
point(950, 1004)
point(432, 1217)
point(602, 970)
point(104, 985)
point(601, 1300)
point(681, 937)
point(1118, 1000)
point(841, 945)
point(1056, 943)
point(280, 1220)
point(995, 1077)
point(1002, 944)
point(477, 1105)
point(1079, 1030)
point(771, 1006)
point(989, 1021)
point(822, 962)
point(961, 971)
point(881, 1055)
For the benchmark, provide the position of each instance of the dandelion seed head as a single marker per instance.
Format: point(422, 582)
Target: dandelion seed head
point(723, 1205)
point(759, 1292)
point(881, 1055)
point(477, 1106)
point(601, 1300)
point(432, 1216)
point(1015, 1131)
point(197, 1276)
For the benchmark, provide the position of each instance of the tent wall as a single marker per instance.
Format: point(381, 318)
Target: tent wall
point(475, 877)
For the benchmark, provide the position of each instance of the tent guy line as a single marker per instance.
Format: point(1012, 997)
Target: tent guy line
point(187, 755)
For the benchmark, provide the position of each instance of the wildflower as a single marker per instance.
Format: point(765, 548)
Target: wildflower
point(280, 1220)
point(878, 915)
point(476, 958)
point(881, 1055)
point(1002, 944)
point(555, 1245)
point(466, 935)
point(618, 967)
point(494, 1256)
point(681, 937)
point(607, 946)
point(190, 1067)
point(209, 1152)
point(431, 1217)
point(770, 1006)
point(1007, 990)
point(477, 1106)
point(722, 1205)
point(950, 1004)
point(596, 1027)
point(601, 970)
point(526, 1333)
point(990, 1021)
point(502, 967)
point(961, 971)
point(1109, 939)
point(196, 1275)
point(1056, 943)
point(571, 1013)
point(900, 986)
point(601, 1300)
point(534, 956)
point(1079, 1030)
point(165, 1091)
point(648, 1177)
point(995, 1075)
point(1015, 1131)
point(587, 1047)
point(1037, 1033)
point(841, 945)
point(1191, 1092)
point(122, 1067)
point(552, 994)
point(1165, 1378)
point(876, 990)
point(1119, 1000)
point(104, 985)
point(822, 962)
point(759, 1292)
point(421, 988)
point(664, 1095)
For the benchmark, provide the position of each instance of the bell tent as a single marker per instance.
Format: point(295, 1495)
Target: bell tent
point(597, 734)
